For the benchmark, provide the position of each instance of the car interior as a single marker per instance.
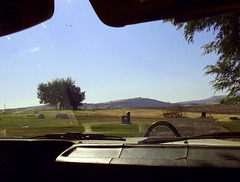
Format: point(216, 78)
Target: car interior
point(102, 157)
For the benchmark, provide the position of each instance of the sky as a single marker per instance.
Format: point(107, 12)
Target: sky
point(149, 60)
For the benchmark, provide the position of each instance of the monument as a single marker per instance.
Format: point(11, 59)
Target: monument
point(126, 119)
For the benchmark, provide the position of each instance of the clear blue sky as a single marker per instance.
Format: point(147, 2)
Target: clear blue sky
point(150, 60)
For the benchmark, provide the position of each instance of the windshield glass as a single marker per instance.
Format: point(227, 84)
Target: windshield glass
point(125, 79)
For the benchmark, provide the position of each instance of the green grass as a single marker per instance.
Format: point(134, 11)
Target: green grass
point(29, 126)
point(6, 113)
point(121, 130)
point(98, 119)
point(115, 128)
point(19, 124)
point(31, 132)
point(233, 126)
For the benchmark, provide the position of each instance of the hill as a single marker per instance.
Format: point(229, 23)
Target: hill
point(130, 103)
point(40, 107)
point(210, 100)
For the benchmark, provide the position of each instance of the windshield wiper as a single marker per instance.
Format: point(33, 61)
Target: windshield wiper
point(79, 136)
point(224, 135)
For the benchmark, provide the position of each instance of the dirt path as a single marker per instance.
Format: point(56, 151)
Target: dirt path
point(87, 127)
point(190, 127)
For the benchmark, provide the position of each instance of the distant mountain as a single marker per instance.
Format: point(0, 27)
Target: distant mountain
point(210, 100)
point(37, 108)
point(137, 102)
point(130, 103)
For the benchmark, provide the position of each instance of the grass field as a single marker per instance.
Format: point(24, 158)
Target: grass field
point(233, 126)
point(26, 124)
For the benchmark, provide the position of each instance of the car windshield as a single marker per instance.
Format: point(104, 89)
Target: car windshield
point(125, 79)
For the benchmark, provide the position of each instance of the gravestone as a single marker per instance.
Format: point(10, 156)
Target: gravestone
point(126, 119)
point(41, 116)
point(203, 115)
point(62, 116)
point(233, 118)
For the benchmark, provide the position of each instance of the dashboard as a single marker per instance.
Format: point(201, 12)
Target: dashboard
point(60, 160)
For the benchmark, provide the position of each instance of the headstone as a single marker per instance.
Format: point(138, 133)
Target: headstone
point(41, 116)
point(203, 115)
point(62, 116)
point(233, 118)
point(126, 119)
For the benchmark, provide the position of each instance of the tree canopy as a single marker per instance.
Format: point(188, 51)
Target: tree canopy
point(226, 45)
point(60, 92)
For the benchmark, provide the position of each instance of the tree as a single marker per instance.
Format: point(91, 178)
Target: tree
point(226, 45)
point(60, 91)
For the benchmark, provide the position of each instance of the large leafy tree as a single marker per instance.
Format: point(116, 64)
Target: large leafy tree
point(226, 45)
point(61, 92)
